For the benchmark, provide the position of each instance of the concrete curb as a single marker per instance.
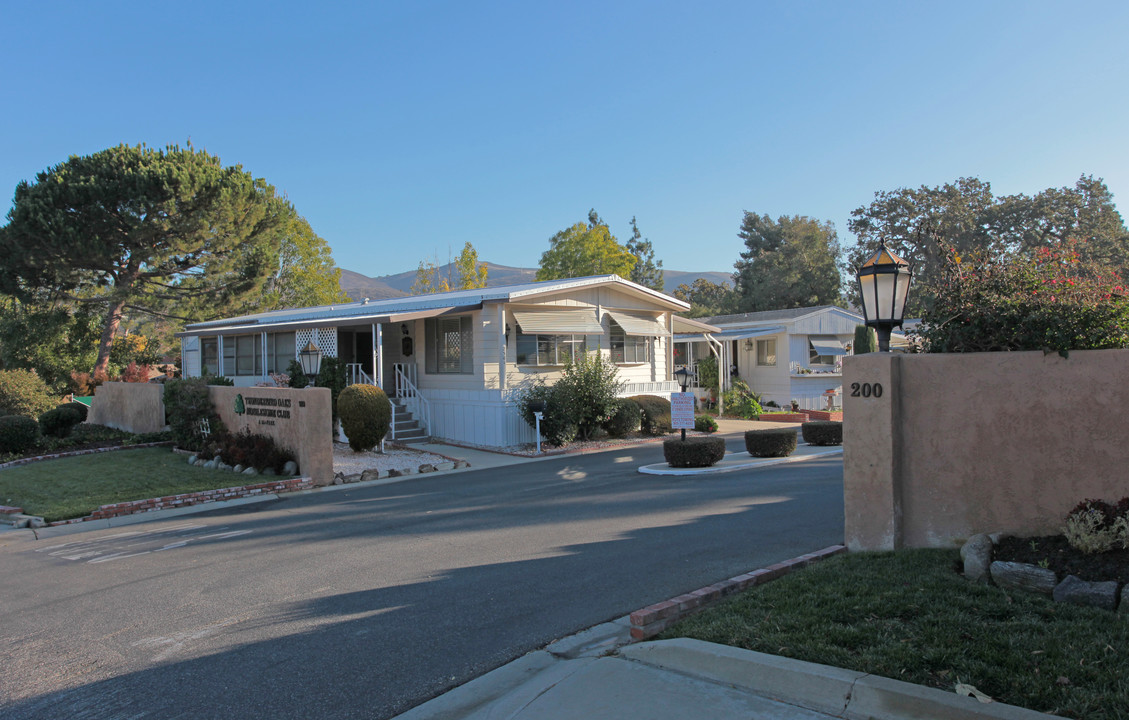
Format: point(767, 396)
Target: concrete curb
point(733, 462)
point(838, 692)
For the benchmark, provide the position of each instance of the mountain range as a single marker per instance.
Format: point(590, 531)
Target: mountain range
point(359, 287)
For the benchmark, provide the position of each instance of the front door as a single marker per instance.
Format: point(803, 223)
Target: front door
point(399, 346)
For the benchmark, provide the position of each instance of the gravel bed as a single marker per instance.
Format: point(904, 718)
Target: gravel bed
point(348, 462)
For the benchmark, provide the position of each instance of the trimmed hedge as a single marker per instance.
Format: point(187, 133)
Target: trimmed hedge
point(693, 452)
point(822, 432)
point(772, 442)
point(626, 417)
point(705, 423)
point(80, 408)
point(60, 421)
point(18, 433)
point(22, 392)
point(656, 414)
point(366, 415)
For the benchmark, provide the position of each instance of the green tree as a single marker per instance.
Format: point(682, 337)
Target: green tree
point(168, 233)
point(646, 270)
point(787, 263)
point(53, 339)
point(306, 275)
point(967, 219)
point(583, 250)
point(429, 279)
point(707, 298)
point(472, 275)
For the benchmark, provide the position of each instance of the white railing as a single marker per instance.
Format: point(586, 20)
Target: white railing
point(356, 375)
point(409, 394)
point(661, 387)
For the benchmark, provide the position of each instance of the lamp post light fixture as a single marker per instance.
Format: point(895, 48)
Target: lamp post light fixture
point(310, 359)
point(884, 285)
point(682, 377)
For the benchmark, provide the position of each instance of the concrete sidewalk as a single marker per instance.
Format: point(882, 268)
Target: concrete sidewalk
point(595, 677)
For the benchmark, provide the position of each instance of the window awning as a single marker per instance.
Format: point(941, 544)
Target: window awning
point(340, 322)
point(746, 333)
point(634, 324)
point(563, 321)
point(827, 345)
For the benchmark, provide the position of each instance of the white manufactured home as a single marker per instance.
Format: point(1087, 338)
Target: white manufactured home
point(454, 360)
point(783, 355)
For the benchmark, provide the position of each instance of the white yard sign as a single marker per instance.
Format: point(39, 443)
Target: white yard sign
point(682, 411)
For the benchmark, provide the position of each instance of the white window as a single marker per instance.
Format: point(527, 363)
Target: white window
point(280, 351)
point(814, 358)
point(209, 356)
point(549, 349)
point(627, 348)
point(450, 345)
point(766, 352)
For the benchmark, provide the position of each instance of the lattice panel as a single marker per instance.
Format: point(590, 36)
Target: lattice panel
point(324, 338)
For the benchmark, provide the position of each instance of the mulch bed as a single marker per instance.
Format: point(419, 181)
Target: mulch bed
point(1063, 559)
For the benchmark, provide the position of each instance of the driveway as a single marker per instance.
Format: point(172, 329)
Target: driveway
point(368, 601)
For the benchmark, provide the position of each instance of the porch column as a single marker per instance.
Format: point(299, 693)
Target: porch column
point(501, 347)
point(378, 354)
point(219, 355)
point(263, 347)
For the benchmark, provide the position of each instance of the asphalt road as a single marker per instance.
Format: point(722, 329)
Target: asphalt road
point(366, 602)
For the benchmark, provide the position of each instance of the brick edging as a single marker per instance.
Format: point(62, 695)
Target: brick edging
point(653, 619)
point(77, 453)
point(188, 499)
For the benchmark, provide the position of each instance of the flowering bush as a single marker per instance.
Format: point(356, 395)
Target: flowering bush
point(1095, 526)
point(1051, 301)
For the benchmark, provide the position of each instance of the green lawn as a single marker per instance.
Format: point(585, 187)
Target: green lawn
point(75, 486)
point(910, 616)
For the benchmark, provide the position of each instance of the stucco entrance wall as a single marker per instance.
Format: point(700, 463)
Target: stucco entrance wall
point(132, 407)
point(298, 419)
point(938, 447)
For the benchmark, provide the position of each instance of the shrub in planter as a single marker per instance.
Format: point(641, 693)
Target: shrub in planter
point(80, 408)
point(656, 414)
point(22, 392)
point(705, 423)
point(365, 414)
point(186, 404)
point(556, 425)
point(59, 422)
point(822, 432)
point(693, 451)
point(772, 442)
point(248, 450)
point(625, 418)
point(586, 392)
point(18, 433)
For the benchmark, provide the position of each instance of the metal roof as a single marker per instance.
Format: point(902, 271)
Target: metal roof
point(771, 315)
point(455, 298)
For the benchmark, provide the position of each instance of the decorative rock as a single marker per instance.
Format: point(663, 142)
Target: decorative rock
point(394, 473)
point(290, 468)
point(211, 465)
point(445, 466)
point(338, 479)
point(238, 468)
point(221, 465)
point(462, 464)
point(1076, 591)
point(250, 471)
point(269, 471)
point(977, 556)
point(372, 474)
point(425, 468)
point(191, 459)
point(1021, 576)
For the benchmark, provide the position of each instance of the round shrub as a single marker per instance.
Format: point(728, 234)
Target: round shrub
point(366, 415)
point(22, 392)
point(705, 423)
point(81, 408)
point(772, 442)
point(822, 432)
point(59, 422)
point(656, 414)
point(556, 424)
point(18, 433)
point(626, 417)
point(693, 451)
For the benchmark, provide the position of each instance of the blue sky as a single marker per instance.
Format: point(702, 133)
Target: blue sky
point(403, 130)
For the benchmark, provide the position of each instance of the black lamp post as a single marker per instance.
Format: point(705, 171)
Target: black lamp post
point(310, 359)
point(884, 284)
point(682, 377)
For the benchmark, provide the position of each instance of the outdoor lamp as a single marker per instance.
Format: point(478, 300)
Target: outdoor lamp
point(682, 377)
point(884, 284)
point(310, 359)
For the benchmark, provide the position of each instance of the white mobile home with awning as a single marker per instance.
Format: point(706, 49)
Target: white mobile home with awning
point(455, 359)
point(783, 355)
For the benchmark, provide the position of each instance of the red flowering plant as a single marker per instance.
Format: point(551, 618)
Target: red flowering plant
point(1050, 301)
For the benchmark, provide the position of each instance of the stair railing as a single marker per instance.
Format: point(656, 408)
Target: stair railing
point(356, 375)
point(410, 395)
